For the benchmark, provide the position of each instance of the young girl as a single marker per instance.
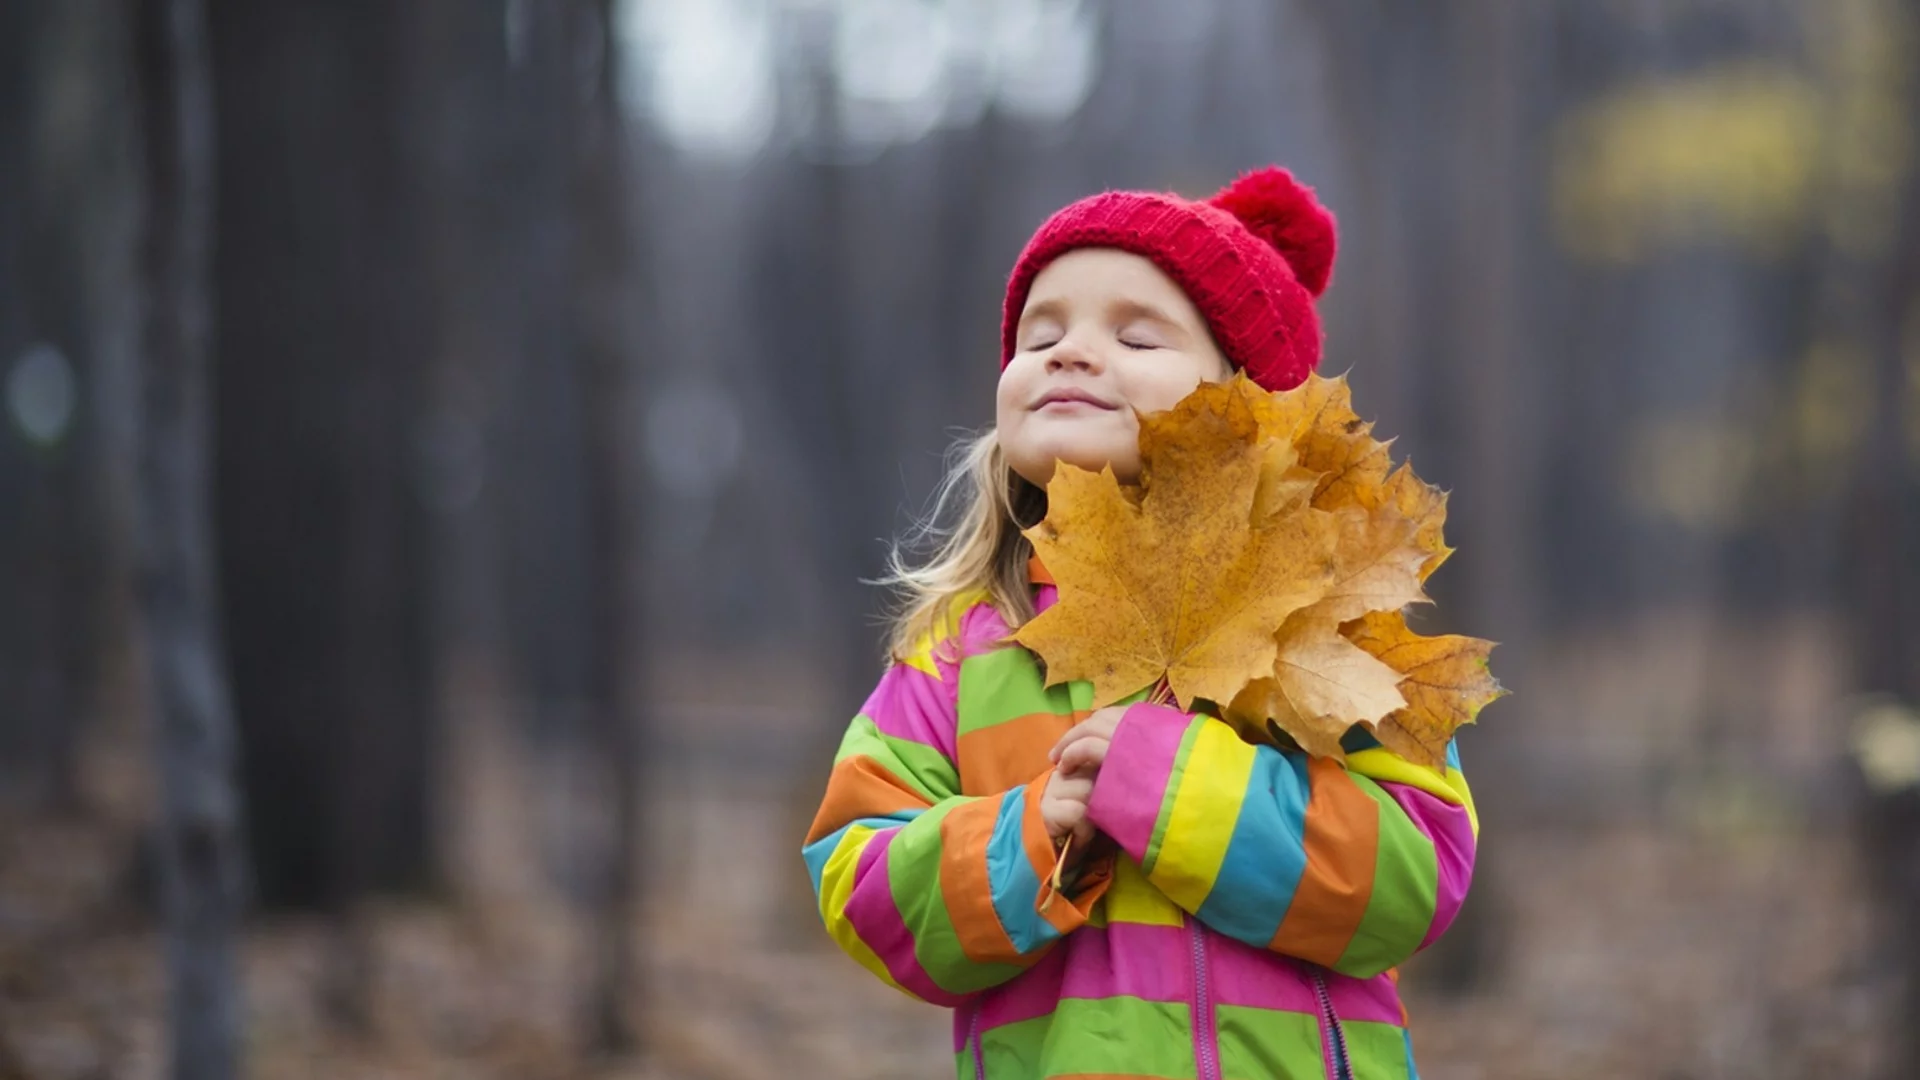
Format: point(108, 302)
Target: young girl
point(1228, 911)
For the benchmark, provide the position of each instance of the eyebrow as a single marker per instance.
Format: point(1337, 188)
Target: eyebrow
point(1054, 308)
point(1140, 309)
point(1143, 310)
point(1044, 309)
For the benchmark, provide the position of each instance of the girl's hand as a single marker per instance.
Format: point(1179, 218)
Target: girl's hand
point(1082, 749)
point(1063, 806)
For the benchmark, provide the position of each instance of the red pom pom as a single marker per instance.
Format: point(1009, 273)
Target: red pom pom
point(1283, 212)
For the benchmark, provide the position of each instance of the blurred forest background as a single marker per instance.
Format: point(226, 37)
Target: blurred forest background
point(443, 441)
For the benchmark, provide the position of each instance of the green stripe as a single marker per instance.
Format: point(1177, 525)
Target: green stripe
point(1270, 1042)
point(922, 767)
point(1166, 797)
point(913, 874)
point(1378, 1051)
point(1118, 1035)
point(1013, 1050)
point(1006, 684)
point(1406, 880)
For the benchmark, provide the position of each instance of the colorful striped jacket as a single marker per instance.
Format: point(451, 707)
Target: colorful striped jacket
point(1247, 926)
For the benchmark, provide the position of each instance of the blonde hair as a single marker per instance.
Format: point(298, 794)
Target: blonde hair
point(972, 544)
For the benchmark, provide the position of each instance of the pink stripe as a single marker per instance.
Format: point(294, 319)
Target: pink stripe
point(1451, 831)
point(1152, 963)
point(1130, 960)
point(1141, 758)
point(1120, 960)
point(876, 918)
point(1256, 978)
point(1046, 597)
point(981, 630)
point(912, 705)
point(1035, 993)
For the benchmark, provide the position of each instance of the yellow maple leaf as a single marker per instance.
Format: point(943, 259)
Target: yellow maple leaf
point(1445, 680)
point(1259, 567)
point(1330, 440)
point(1183, 583)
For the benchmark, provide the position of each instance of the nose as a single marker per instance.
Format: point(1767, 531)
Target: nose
point(1071, 354)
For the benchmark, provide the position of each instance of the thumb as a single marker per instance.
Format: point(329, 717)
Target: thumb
point(1082, 833)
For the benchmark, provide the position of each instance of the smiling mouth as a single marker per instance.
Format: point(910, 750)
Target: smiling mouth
point(1065, 403)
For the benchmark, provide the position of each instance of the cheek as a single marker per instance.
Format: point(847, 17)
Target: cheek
point(1161, 388)
point(1006, 398)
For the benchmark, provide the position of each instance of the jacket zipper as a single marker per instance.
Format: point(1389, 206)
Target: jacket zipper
point(1333, 1041)
point(973, 1039)
point(1206, 1037)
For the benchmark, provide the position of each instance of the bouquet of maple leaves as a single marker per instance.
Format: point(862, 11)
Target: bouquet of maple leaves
point(1261, 567)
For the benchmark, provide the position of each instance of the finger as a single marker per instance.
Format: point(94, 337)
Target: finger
point(1066, 785)
point(1064, 817)
point(1083, 756)
point(1082, 833)
point(1073, 735)
point(1102, 723)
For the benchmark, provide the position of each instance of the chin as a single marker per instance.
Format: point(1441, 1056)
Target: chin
point(1045, 459)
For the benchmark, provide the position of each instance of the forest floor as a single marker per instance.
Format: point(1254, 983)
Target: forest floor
point(1691, 946)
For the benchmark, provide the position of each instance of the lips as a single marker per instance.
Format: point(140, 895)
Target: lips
point(1071, 397)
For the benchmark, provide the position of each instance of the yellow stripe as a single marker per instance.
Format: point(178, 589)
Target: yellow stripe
point(944, 629)
point(1387, 767)
point(1205, 810)
point(1133, 899)
point(836, 882)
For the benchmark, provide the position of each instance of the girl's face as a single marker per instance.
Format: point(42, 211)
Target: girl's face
point(1104, 333)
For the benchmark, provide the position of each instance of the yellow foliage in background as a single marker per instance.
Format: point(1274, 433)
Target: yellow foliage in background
point(1725, 152)
point(1753, 152)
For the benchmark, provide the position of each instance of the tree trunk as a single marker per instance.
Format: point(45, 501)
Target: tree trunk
point(1882, 574)
point(58, 213)
point(200, 857)
point(324, 330)
point(604, 290)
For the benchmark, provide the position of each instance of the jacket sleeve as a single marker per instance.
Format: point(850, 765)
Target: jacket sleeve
point(1355, 867)
point(937, 893)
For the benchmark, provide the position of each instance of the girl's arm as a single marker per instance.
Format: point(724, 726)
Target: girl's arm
point(1355, 867)
point(936, 893)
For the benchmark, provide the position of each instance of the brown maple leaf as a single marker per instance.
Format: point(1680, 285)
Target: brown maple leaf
point(1445, 680)
point(1321, 685)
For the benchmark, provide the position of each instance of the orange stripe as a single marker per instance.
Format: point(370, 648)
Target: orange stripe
point(964, 885)
point(860, 787)
point(1037, 572)
point(1065, 913)
point(1342, 840)
point(1008, 754)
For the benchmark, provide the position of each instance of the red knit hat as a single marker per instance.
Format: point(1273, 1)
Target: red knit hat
point(1252, 259)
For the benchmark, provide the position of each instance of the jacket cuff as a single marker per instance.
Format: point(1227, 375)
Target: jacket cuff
point(1140, 774)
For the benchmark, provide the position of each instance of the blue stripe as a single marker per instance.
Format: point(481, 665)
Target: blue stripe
point(818, 852)
point(1011, 878)
point(1267, 854)
point(1412, 1072)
